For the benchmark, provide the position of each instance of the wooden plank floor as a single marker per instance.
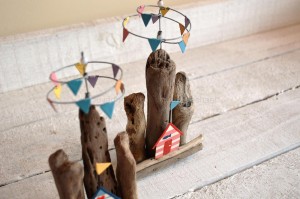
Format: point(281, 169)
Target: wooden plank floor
point(247, 107)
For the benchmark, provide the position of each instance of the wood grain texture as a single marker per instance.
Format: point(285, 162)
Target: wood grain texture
point(68, 176)
point(95, 150)
point(213, 21)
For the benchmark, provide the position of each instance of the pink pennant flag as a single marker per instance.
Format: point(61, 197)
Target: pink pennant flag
point(141, 9)
point(53, 78)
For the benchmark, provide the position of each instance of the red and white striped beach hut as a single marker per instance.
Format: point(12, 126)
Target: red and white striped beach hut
point(168, 141)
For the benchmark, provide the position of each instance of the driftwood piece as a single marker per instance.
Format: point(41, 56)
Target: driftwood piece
point(183, 112)
point(136, 124)
point(126, 167)
point(148, 166)
point(68, 176)
point(95, 150)
point(160, 78)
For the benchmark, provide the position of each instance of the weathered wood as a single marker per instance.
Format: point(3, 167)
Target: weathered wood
point(136, 124)
point(68, 176)
point(183, 112)
point(95, 150)
point(160, 79)
point(126, 167)
point(148, 166)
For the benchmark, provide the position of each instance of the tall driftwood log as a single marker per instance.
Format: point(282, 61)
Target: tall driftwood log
point(68, 176)
point(126, 167)
point(136, 124)
point(183, 112)
point(160, 78)
point(95, 150)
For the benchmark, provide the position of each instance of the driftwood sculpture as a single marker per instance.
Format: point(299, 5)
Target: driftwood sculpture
point(136, 124)
point(160, 78)
point(95, 150)
point(68, 176)
point(182, 114)
point(126, 167)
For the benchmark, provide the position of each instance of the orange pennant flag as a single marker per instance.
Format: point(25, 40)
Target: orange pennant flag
point(118, 86)
point(81, 68)
point(57, 91)
point(100, 167)
point(182, 28)
point(186, 37)
point(164, 11)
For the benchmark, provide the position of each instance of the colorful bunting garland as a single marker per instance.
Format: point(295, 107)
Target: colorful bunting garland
point(146, 18)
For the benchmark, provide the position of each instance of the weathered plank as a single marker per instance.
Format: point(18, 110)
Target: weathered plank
point(212, 96)
point(233, 142)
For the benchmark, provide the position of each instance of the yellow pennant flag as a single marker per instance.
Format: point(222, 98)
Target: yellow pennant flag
point(118, 86)
point(164, 10)
point(186, 37)
point(100, 167)
point(126, 21)
point(81, 68)
point(57, 91)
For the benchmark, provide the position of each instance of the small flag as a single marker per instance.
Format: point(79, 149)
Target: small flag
point(115, 69)
point(126, 20)
point(125, 34)
point(141, 9)
point(53, 78)
point(118, 86)
point(154, 18)
point(186, 21)
point(174, 104)
point(57, 91)
point(100, 167)
point(74, 85)
point(146, 18)
point(186, 37)
point(84, 105)
point(182, 46)
point(182, 28)
point(81, 68)
point(108, 108)
point(154, 43)
point(164, 11)
point(92, 80)
point(52, 105)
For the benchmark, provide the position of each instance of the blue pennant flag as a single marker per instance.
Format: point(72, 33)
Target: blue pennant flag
point(108, 108)
point(154, 43)
point(84, 105)
point(182, 46)
point(146, 18)
point(174, 104)
point(74, 85)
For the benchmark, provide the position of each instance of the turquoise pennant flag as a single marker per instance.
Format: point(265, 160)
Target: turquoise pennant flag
point(154, 43)
point(174, 104)
point(182, 46)
point(108, 108)
point(84, 105)
point(146, 18)
point(74, 85)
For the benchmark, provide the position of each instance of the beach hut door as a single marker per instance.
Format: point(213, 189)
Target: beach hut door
point(167, 146)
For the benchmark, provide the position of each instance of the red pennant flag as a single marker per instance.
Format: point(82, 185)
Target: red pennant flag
point(52, 105)
point(125, 34)
point(182, 28)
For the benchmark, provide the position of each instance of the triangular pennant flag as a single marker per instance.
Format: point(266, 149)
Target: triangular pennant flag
point(186, 22)
point(100, 167)
point(182, 28)
point(84, 105)
point(93, 80)
point(108, 108)
point(115, 69)
point(146, 18)
point(154, 43)
point(125, 34)
point(57, 91)
point(52, 105)
point(74, 85)
point(174, 104)
point(118, 86)
point(164, 11)
point(141, 9)
point(81, 68)
point(125, 22)
point(186, 37)
point(53, 78)
point(182, 46)
point(154, 18)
